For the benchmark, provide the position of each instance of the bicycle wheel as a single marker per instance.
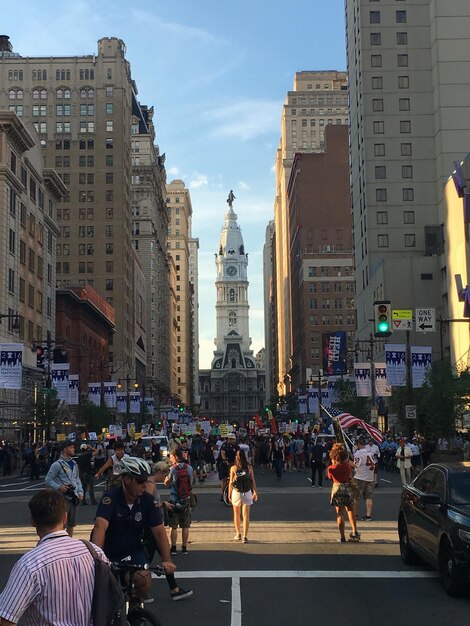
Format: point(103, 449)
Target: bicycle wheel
point(142, 617)
point(225, 497)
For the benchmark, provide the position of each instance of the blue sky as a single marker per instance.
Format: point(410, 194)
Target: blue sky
point(217, 73)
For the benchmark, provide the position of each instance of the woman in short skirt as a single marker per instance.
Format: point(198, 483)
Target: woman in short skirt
point(340, 472)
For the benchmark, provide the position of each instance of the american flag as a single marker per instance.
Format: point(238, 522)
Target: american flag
point(346, 420)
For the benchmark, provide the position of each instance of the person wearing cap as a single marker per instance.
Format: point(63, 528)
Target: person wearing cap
point(403, 456)
point(115, 462)
point(364, 468)
point(63, 475)
point(85, 471)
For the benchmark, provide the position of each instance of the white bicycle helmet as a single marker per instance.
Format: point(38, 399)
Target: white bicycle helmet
point(135, 466)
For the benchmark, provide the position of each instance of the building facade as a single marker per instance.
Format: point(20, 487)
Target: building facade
point(409, 98)
point(318, 99)
point(322, 295)
point(81, 107)
point(233, 390)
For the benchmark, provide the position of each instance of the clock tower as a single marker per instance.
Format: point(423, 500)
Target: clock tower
point(233, 389)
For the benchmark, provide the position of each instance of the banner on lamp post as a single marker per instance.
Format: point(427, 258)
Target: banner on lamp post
point(110, 389)
point(73, 389)
point(362, 378)
point(421, 360)
point(382, 388)
point(94, 393)
point(11, 365)
point(395, 363)
point(121, 401)
point(60, 380)
point(134, 402)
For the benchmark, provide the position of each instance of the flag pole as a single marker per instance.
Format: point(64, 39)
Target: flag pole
point(339, 432)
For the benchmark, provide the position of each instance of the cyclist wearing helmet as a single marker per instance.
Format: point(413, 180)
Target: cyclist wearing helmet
point(121, 517)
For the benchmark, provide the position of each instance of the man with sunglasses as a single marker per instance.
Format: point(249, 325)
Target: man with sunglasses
point(121, 518)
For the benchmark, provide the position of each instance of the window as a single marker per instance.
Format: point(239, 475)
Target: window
point(109, 178)
point(11, 281)
point(403, 82)
point(410, 241)
point(407, 171)
point(382, 217)
point(376, 60)
point(408, 217)
point(109, 92)
point(400, 17)
point(374, 17)
point(377, 82)
point(379, 149)
point(382, 241)
point(402, 60)
point(375, 39)
point(109, 231)
point(109, 284)
point(109, 126)
point(109, 108)
point(109, 248)
point(381, 195)
point(378, 105)
point(109, 195)
point(402, 39)
point(405, 149)
point(378, 128)
point(404, 104)
point(408, 194)
point(12, 242)
point(109, 144)
point(380, 171)
point(405, 126)
point(109, 160)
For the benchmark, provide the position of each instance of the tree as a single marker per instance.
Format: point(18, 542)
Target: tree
point(95, 417)
point(350, 402)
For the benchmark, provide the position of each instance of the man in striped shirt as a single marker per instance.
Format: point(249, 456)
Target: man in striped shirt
point(53, 583)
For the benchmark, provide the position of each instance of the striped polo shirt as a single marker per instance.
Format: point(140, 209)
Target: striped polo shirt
point(52, 585)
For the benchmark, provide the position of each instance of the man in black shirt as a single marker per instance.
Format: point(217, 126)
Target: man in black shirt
point(85, 471)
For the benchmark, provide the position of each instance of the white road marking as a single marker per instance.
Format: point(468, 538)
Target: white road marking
point(236, 602)
point(307, 574)
point(386, 481)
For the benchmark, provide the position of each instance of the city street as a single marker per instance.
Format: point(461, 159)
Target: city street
point(293, 568)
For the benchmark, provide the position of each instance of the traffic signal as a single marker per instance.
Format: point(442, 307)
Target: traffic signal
point(266, 409)
point(382, 318)
point(181, 408)
point(41, 356)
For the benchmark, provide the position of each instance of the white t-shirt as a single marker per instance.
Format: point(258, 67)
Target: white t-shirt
point(374, 450)
point(246, 449)
point(364, 465)
point(117, 467)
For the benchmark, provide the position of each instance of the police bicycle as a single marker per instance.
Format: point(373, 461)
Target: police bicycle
point(136, 614)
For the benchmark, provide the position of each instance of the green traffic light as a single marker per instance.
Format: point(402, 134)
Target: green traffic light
point(383, 327)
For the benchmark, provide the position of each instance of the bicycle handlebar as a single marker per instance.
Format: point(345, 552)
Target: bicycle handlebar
point(125, 566)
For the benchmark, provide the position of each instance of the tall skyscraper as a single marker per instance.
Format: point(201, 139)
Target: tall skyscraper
point(234, 388)
point(318, 99)
point(82, 108)
point(409, 99)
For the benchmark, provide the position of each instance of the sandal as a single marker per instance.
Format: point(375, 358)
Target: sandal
point(237, 538)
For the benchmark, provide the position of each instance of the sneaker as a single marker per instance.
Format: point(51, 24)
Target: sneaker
point(245, 539)
point(366, 518)
point(173, 550)
point(237, 538)
point(320, 487)
point(356, 537)
point(342, 540)
point(184, 550)
point(181, 594)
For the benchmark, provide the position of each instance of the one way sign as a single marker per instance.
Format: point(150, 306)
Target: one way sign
point(425, 320)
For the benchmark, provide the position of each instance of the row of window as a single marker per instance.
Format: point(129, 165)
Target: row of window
point(331, 287)
point(41, 93)
point(317, 101)
point(381, 171)
point(408, 195)
point(84, 267)
point(85, 231)
point(65, 127)
point(378, 82)
point(313, 122)
point(35, 297)
point(329, 320)
point(63, 249)
point(84, 213)
point(326, 304)
point(35, 261)
point(409, 241)
point(375, 17)
point(334, 271)
point(378, 127)
point(401, 39)
point(404, 104)
point(60, 74)
point(408, 217)
point(405, 149)
point(376, 60)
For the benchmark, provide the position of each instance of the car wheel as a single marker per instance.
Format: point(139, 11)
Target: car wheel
point(408, 555)
point(451, 575)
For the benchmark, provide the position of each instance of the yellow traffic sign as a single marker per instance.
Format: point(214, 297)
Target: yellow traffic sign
point(402, 314)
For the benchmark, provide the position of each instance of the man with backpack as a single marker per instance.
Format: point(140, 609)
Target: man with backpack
point(180, 481)
point(196, 455)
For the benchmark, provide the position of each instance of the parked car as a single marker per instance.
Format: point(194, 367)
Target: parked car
point(162, 440)
point(434, 522)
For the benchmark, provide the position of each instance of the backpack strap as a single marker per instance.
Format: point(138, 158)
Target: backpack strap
point(91, 549)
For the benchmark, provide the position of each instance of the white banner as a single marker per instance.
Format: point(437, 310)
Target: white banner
point(121, 401)
point(60, 380)
point(362, 377)
point(11, 361)
point(73, 389)
point(333, 393)
point(421, 360)
point(395, 361)
point(149, 404)
point(134, 402)
point(312, 400)
point(110, 394)
point(94, 393)
point(325, 398)
point(382, 388)
point(302, 405)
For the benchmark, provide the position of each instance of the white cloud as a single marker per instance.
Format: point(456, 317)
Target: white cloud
point(246, 119)
point(173, 171)
point(244, 186)
point(200, 180)
point(181, 31)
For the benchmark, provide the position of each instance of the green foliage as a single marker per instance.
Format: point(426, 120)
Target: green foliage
point(47, 408)
point(95, 417)
point(349, 401)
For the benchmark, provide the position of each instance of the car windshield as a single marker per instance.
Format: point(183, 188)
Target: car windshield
point(460, 491)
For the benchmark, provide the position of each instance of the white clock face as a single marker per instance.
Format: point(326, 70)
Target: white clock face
point(231, 270)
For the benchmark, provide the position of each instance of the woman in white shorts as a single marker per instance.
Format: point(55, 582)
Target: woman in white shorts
point(241, 493)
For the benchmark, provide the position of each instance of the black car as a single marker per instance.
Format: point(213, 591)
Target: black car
point(434, 522)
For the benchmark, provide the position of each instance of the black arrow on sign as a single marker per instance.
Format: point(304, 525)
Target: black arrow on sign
point(423, 326)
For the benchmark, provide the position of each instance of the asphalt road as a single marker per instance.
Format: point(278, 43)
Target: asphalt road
point(293, 569)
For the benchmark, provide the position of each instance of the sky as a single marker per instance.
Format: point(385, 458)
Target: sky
point(217, 73)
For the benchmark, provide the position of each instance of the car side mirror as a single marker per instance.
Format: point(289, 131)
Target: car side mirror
point(430, 498)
